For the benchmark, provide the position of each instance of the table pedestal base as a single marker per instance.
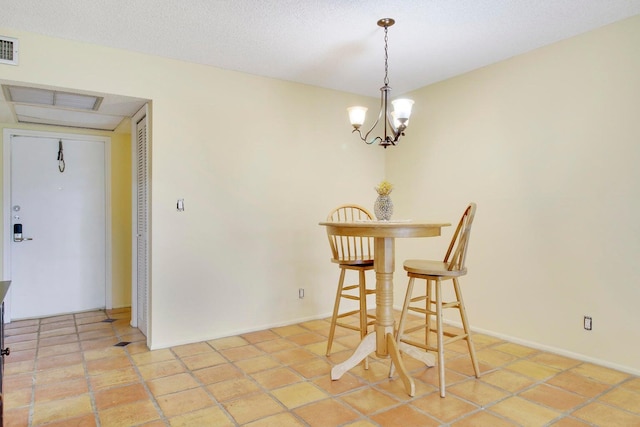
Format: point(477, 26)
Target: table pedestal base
point(368, 346)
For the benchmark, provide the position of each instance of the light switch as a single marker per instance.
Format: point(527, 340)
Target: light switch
point(180, 205)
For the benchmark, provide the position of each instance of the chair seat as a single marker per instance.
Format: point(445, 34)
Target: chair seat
point(432, 268)
point(354, 261)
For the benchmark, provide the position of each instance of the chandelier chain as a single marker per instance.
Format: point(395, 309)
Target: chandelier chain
point(386, 57)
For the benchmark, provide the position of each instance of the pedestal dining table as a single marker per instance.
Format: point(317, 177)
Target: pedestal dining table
point(382, 340)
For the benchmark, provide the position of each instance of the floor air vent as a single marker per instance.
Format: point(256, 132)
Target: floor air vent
point(8, 50)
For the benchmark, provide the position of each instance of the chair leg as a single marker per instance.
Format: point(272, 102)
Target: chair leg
point(405, 309)
point(336, 307)
point(403, 318)
point(362, 286)
point(428, 310)
point(440, 336)
point(465, 325)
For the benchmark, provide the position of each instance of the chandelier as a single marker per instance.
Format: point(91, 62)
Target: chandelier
point(396, 121)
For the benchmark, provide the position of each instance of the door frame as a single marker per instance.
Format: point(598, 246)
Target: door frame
point(6, 203)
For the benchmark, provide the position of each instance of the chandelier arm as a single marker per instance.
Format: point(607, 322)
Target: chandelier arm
point(364, 138)
point(382, 109)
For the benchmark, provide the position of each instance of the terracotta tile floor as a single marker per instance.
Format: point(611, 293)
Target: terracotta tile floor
point(67, 371)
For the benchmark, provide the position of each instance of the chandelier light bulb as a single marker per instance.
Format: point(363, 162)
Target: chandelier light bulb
point(399, 124)
point(402, 108)
point(357, 115)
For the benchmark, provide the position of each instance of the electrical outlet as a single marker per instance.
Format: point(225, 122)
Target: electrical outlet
point(301, 293)
point(588, 323)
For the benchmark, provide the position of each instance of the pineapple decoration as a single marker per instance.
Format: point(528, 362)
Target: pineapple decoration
point(383, 206)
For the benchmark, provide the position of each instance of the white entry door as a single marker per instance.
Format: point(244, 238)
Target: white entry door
point(58, 263)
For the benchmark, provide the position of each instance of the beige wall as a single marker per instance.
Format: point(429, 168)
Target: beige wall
point(120, 202)
point(121, 215)
point(259, 162)
point(548, 145)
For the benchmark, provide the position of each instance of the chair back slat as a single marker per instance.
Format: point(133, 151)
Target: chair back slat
point(350, 248)
point(457, 252)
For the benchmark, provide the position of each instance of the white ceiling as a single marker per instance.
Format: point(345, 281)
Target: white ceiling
point(328, 43)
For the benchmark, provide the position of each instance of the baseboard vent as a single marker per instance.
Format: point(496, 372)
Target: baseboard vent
point(8, 50)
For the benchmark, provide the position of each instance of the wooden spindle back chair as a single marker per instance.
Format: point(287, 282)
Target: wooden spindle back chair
point(356, 254)
point(430, 305)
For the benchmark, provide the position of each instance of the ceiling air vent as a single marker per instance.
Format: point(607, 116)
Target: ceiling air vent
point(8, 50)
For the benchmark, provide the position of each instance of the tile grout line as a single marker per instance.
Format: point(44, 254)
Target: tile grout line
point(478, 407)
point(32, 405)
point(535, 383)
point(361, 416)
point(201, 384)
point(588, 400)
point(562, 414)
point(87, 377)
point(262, 389)
point(150, 395)
point(250, 378)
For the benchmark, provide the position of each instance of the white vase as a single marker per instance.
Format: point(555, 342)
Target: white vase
point(383, 208)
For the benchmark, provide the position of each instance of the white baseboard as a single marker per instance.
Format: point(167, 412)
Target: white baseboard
point(538, 346)
point(235, 332)
point(551, 349)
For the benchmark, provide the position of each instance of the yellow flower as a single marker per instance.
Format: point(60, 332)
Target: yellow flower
point(384, 188)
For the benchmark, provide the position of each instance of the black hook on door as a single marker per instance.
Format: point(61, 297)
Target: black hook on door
point(61, 164)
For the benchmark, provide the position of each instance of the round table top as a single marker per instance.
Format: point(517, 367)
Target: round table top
point(392, 228)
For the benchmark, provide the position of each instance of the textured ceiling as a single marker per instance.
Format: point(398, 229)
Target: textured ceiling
point(329, 43)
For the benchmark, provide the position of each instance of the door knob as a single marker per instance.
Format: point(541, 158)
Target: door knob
point(5, 352)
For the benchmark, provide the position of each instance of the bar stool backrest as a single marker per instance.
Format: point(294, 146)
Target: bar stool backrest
point(457, 252)
point(350, 249)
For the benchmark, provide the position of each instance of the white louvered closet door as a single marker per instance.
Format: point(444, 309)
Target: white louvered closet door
point(142, 225)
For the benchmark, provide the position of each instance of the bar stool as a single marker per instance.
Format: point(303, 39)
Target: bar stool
point(434, 273)
point(355, 254)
